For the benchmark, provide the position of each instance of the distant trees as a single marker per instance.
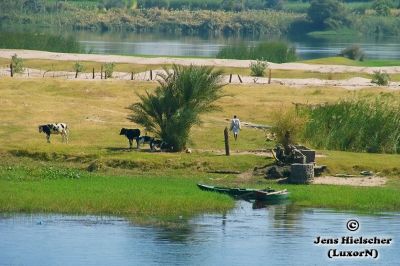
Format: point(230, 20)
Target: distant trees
point(274, 4)
point(382, 7)
point(327, 14)
point(232, 5)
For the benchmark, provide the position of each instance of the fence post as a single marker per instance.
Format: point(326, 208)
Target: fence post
point(101, 72)
point(269, 76)
point(93, 74)
point(230, 78)
point(131, 75)
point(151, 74)
point(226, 138)
point(11, 70)
point(240, 79)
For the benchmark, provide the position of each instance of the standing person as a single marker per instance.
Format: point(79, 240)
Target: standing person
point(235, 126)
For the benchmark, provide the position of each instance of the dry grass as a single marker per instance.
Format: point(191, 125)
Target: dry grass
point(96, 110)
point(55, 65)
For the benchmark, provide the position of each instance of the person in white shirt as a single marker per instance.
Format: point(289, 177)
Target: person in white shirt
point(235, 126)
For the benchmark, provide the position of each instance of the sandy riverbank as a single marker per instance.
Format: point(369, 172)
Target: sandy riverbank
point(31, 54)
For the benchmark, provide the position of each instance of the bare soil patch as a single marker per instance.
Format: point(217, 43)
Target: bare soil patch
point(363, 181)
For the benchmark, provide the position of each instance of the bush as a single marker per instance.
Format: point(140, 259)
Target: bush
point(353, 52)
point(287, 121)
point(78, 67)
point(17, 64)
point(175, 106)
point(382, 7)
point(258, 68)
point(109, 70)
point(380, 78)
point(359, 124)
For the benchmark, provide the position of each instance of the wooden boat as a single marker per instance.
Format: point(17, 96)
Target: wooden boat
point(268, 194)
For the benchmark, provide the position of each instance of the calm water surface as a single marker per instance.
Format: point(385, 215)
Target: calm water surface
point(277, 235)
point(158, 44)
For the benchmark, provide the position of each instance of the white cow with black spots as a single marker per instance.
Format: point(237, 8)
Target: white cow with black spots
point(56, 128)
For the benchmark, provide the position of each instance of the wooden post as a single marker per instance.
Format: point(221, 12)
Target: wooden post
point(226, 137)
point(240, 79)
point(269, 76)
point(11, 70)
point(93, 74)
point(76, 74)
point(101, 72)
point(230, 78)
point(151, 74)
point(131, 75)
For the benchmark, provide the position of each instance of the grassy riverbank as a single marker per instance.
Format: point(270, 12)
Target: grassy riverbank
point(348, 62)
point(40, 177)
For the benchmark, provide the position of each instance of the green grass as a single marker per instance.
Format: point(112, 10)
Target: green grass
point(50, 189)
point(353, 163)
point(348, 62)
point(40, 177)
point(367, 199)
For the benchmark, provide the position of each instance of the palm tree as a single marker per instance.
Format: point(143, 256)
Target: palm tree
point(175, 106)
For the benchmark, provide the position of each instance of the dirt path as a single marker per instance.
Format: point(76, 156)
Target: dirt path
point(370, 181)
point(350, 84)
point(31, 54)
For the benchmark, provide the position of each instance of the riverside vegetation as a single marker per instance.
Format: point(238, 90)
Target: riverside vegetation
point(96, 173)
point(320, 15)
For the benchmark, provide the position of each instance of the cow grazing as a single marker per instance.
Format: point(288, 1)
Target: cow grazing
point(131, 134)
point(56, 128)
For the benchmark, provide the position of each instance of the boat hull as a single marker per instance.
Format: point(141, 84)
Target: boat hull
point(248, 194)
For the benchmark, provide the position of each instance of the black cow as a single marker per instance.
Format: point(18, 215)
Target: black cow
point(56, 128)
point(131, 134)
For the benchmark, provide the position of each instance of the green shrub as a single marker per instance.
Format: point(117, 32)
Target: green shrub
point(258, 68)
point(109, 70)
point(382, 7)
point(78, 67)
point(17, 64)
point(380, 78)
point(359, 124)
point(287, 120)
point(353, 52)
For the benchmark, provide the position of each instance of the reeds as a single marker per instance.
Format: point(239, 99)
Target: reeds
point(360, 124)
point(277, 52)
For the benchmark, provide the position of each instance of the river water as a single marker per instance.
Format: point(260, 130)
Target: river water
point(275, 235)
point(159, 44)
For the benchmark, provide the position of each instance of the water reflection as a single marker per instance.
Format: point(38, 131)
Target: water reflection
point(274, 235)
point(39, 41)
point(158, 44)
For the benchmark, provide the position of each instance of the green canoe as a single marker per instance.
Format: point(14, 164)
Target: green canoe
point(248, 193)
